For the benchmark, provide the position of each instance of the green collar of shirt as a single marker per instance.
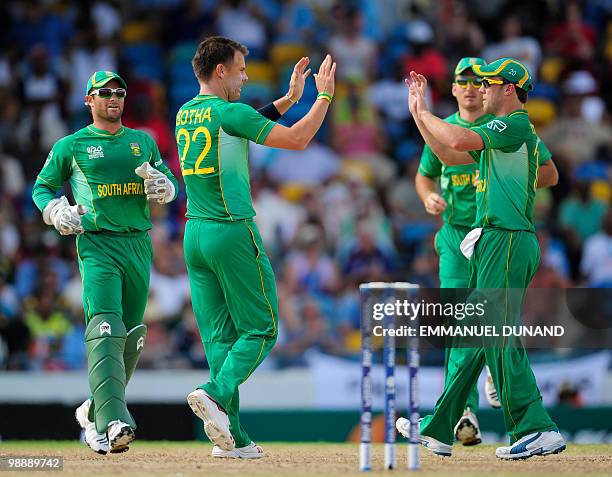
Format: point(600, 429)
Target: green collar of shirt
point(103, 132)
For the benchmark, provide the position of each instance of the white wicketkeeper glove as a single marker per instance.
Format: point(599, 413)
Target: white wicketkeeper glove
point(64, 217)
point(157, 186)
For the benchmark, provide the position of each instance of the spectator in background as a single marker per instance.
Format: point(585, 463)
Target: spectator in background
point(107, 17)
point(425, 58)
point(596, 264)
point(191, 21)
point(356, 54)
point(367, 260)
point(278, 219)
point(9, 116)
point(34, 25)
point(309, 269)
point(515, 45)
point(298, 23)
point(10, 305)
point(244, 22)
point(48, 324)
point(571, 38)
point(12, 180)
point(577, 133)
point(356, 132)
point(169, 283)
point(389, 95)
point(88, 53)
point(580, 217)
point(42, 94)
point(580, 212)
point(317, 163)
point(142, 115)
point(459, 35)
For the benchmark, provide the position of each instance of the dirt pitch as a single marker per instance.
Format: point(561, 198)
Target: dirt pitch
point(183, 459)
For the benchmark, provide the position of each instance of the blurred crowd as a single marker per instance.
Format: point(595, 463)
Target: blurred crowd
point(343, 211)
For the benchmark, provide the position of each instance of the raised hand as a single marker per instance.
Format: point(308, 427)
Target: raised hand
point(412, 100)
point(419, 82)
point(298, 79)
point(325, 78)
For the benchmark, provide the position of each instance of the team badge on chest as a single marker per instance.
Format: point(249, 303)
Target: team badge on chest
point(135, 147)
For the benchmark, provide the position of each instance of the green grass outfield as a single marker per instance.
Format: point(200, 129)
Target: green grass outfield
point(182, 459)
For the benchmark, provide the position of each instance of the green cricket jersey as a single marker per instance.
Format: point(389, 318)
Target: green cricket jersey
point(100, 169)
point(456, 182)
point(508, 166)
point(213, 142)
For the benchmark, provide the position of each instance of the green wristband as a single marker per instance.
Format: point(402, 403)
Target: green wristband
point(326, 96)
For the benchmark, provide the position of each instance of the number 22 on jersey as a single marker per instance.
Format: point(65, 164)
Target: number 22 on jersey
point(197, 169)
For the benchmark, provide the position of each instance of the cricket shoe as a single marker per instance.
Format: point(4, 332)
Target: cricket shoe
point(538, 443)
point(252, 451)
point(467, 431)
point(96, 442)
point(434, 445)
point(216, 422)
point(120, 435)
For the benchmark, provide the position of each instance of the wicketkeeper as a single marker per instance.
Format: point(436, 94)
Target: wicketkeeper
point(112, 171)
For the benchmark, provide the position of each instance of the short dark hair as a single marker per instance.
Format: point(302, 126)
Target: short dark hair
point(213, 51)
point(521, 94)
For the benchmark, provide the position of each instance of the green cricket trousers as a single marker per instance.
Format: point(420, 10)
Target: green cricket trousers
point(502, 260)
point(454, 273)
point(115, 269)
point(234, 299)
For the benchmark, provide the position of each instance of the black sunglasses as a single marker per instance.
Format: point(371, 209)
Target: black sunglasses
point(107, 93)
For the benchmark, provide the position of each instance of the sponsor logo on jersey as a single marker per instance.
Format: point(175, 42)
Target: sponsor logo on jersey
point(496, 125)
point(128, 188)
point(135, 147)
point(95, 152)
point(105, 328)
point(140, 343)
point(158, 163)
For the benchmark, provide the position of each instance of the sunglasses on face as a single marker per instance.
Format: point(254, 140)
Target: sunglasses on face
point(463, 82)
point(107, 93)
point(487, 83)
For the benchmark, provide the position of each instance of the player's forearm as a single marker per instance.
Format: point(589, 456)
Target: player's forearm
point(305, 129)
point(548, 175)
point(424, 186)
point(442, 151)
point(42, 194)
point(283, 104)
point(451, 136)
point(270, 111)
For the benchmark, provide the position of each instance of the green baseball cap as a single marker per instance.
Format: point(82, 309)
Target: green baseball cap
point(100, 78)
point(467, 63)
point(510, 69)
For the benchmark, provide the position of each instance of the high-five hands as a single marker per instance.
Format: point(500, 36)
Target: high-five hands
point(298, 80)
point(325, 77)
point(417, 85)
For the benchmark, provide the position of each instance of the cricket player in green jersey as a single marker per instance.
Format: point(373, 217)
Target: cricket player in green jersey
point(232, 282)
point(112, 171)
point(502, 248)
point(458, 206)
